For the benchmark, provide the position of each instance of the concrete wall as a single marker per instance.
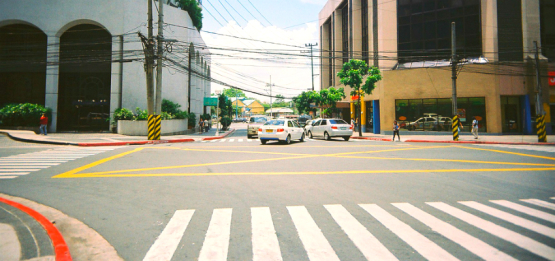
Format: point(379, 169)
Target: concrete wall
point(118, 17)
point(139, 128)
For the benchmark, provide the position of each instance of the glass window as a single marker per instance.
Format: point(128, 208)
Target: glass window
point(275, 123)
point(290, 124)
point(337, 122)
point(323, 122)
point(435, 114)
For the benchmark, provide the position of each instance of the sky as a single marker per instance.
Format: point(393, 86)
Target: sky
point(281, 29)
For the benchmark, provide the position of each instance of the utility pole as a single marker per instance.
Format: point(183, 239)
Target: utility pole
point(270, 85)
point(236, 104)
point(191, 54)
point(456, 119)
point(540, 115)
point(148, 45)
point(311, 61)
point(160, 54)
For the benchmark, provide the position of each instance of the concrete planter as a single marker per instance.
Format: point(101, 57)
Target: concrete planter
point(140, 128)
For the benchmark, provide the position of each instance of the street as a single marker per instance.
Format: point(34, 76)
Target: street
point(235, 199)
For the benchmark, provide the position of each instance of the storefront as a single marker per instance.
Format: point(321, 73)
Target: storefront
point(436, 114)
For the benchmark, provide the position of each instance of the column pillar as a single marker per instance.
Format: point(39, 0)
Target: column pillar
point(376, 112)
point(116, 87)
point(363, 113)
point(52, 77)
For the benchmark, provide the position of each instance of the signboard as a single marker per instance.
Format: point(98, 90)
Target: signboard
point(551, 78)
point(462, 114)
point(209, 101)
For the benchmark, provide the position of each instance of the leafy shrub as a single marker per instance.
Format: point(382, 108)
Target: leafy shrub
point(23, 114)
point(123, 114)
point(181, 115)
point(166, 116)
point(192, 119)
point(170, 107)
point(225, 121)
point(141, 115)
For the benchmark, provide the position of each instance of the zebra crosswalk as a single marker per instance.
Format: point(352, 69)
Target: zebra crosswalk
point(522, 228)
point(22, 164)
point(545, 148)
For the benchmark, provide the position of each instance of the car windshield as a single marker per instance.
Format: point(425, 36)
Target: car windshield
point(338, 122)
point(258, 119)
point(275, 122)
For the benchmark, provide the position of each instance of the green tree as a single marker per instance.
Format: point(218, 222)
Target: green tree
point(329, 98)
point(303, 101)
point(194, 10)
point(352, 75)
point(231, 93)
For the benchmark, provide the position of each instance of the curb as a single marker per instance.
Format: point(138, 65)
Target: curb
point(219, 137)
point(370, 138)
point(485, 142)
point(61, 249)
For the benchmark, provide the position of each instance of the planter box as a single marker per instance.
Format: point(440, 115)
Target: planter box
point(140, 128)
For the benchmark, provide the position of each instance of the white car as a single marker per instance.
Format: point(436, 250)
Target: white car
point(282, 130)
point(253, 124)
point(329, 128)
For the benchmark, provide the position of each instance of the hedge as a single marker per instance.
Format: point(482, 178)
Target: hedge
point(23, 114)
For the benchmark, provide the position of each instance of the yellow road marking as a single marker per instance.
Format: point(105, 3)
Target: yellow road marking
point(508, 152)
point(90, 175)
point(96, 163)
point(182, 166)
point(74, 172)
point(449, 160)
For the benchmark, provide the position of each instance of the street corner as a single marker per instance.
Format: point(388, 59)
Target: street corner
point(32, 231)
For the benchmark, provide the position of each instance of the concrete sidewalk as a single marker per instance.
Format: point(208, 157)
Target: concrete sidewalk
point(110, 139)
point(107, 139)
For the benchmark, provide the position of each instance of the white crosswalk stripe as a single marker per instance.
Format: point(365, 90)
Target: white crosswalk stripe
point(540, 203)
point(23, 164)
point(315, 237)
point(522, 147)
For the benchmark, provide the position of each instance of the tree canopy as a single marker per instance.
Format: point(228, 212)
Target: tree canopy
point(304, 100)
point(194, 10)
point(329, 98)
point(231, 93)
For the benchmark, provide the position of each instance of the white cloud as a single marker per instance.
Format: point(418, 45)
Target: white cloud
point(291, 71)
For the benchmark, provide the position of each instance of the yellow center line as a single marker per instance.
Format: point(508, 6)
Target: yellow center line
point(96, 163)
point(507, 152)
point(92, 175)
point(453, 160)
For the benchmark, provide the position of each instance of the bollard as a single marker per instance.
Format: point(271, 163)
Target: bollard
point(455, 126)
point(154, 127)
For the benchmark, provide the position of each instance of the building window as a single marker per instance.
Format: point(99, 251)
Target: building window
point(331, 53)
point(364, 19)
point(345, 32)
point(547, 29)
point(509, 30)
point(435, 114)
point(424, 29)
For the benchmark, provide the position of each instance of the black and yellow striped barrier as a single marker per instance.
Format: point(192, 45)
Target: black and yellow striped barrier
point(540, 126)
point(455, 128)
point(154, 127)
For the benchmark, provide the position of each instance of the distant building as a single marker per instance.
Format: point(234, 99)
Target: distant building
point(253, 107)
point(410, 41)
point(84, 59)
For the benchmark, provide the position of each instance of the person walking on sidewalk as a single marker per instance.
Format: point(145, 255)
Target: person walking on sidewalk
point(201, 125)
point(475, 128)
point(396, 131)
point(43, 124)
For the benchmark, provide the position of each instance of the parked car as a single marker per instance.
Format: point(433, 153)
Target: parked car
point(303, 119)
point(240, 120)
point(430, 123)
point(329, 128)
point(253, 124)
point(282, 130)
point(308, 126)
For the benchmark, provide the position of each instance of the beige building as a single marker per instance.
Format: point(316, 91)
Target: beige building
point(410, 42)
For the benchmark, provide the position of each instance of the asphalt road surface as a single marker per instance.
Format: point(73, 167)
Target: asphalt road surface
point(235, 199)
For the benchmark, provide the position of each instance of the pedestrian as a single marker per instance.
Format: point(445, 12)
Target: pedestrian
point(43, 123)
point(475, 128)
point(460, 126)
point(396, 131)
point(353, 124)
point(206, 127)
point(201, 125)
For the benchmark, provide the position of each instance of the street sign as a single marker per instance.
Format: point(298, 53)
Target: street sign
point(551, 78)
point(209, 101)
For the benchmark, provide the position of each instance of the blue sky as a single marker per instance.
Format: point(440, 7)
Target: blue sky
point(293, 23)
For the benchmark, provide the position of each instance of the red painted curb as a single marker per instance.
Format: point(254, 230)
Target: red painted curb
point(369, 138)
point(60, 248)
point(219, 137)
point(482, 142)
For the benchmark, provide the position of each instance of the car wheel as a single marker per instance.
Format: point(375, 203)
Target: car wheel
point(302, 138)
point(346, 138)
point(310, 134)
point(263, 142)
point(326, 136)
point(288, 139)
point(249, 136)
